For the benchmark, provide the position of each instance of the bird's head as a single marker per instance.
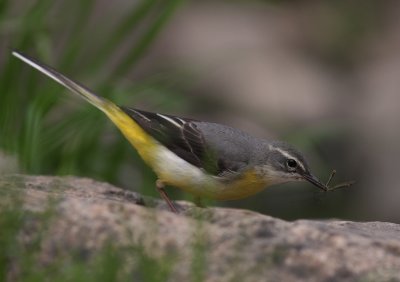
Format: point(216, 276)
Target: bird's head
point(283, 163)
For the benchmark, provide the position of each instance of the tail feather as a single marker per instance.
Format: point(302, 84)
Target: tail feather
point(65, 81)
point(132, 131)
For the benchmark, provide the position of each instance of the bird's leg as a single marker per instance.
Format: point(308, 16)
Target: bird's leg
point(161, 189)
point(341, 185)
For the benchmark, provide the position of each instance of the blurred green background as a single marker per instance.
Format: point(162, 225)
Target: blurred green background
point(322, 75)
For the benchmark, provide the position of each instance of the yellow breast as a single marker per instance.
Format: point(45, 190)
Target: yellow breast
point(176, 172)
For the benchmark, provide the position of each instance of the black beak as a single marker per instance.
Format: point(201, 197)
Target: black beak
point(314, 180)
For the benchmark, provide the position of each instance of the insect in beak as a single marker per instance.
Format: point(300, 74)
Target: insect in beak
point(325, 187)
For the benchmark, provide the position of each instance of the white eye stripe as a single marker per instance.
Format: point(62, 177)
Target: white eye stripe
point(287, 155)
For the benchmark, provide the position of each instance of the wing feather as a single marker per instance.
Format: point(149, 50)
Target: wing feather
point(178, 134)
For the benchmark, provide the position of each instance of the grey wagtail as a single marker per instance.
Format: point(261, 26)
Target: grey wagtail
point(205, 159)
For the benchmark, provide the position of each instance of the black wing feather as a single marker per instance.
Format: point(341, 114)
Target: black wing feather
point(180, 135)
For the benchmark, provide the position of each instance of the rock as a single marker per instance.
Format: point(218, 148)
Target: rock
point(68, 217)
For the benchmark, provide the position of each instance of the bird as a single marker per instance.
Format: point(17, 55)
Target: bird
point(205, 159)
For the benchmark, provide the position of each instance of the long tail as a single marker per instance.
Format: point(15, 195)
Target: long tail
point(132, 131)
point(75, 87)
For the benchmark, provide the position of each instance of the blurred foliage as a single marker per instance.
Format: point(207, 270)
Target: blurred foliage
point(42, 126)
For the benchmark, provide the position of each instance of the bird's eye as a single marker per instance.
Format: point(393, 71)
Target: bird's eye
point(291, 163)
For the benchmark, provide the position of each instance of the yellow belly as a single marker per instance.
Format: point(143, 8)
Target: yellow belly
point(174, 171)
point(223, 190)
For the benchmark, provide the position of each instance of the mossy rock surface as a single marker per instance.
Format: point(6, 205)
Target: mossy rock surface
point(68, 228)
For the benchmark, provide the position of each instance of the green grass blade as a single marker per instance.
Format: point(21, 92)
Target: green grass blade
point(123, 30)
point(139, 48)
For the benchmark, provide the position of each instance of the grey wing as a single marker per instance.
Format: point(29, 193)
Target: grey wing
point(234, 148)
point(180, 135)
